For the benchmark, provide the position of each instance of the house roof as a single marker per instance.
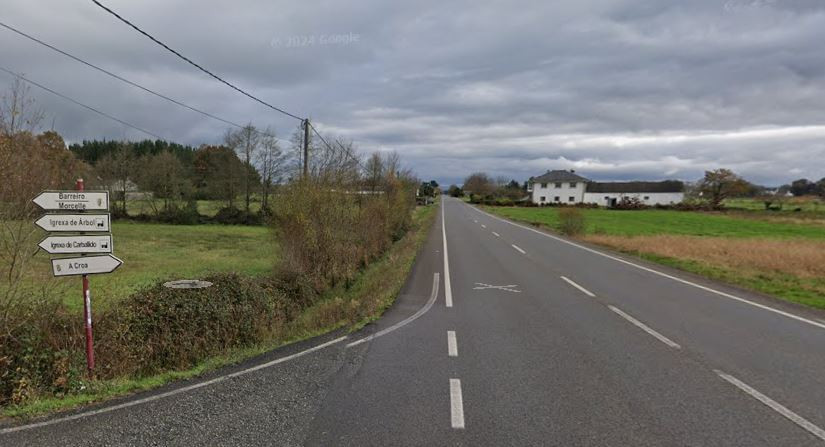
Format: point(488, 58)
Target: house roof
point(623, 187)
point(558, 176)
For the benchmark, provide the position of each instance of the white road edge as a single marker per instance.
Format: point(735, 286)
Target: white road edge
point(773, 405)
point(406, 321)
point(448, 291)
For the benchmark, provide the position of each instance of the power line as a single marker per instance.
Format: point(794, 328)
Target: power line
point(178, 54)
point(19, 76)
point(346, 150)
point(132, 83)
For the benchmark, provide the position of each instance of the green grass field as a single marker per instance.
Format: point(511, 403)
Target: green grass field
point(651, 222)
point(789, 205)
point(153, 252)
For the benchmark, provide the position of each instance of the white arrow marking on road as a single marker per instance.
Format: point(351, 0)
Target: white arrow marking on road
point(74, 222)
point(77, 244)
point(73, 200)
point(508, 288)
point(85, 265)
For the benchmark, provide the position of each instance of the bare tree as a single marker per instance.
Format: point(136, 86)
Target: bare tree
point(114, 170)
point(374, 172)
point(18, 112)
point(272, 164)
point(246, 142)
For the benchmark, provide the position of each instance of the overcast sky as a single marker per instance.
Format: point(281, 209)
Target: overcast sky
point(616, 89)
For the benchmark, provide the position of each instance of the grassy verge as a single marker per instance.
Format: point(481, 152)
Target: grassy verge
point(152, 252)
point(372, 292)
point(785, 260)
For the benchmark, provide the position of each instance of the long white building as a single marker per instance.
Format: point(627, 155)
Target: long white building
point(557, 187)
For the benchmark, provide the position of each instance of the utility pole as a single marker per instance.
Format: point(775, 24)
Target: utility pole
point(306, 148)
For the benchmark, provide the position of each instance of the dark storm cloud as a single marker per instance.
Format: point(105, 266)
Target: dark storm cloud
point(615, 89)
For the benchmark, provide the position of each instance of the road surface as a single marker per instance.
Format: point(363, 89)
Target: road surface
point(505, 335)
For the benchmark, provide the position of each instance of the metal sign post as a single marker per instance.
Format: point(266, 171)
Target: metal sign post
point(73, 216)
point(87, 311)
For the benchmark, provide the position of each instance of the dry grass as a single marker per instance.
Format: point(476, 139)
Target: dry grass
point(799, 258)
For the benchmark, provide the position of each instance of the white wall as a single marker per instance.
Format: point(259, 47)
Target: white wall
point(653, 198)
point(550, 192)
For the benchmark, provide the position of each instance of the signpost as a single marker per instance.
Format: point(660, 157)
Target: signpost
point(79, 202)
point(77, 244)
point(85, 265)
point(74, 222)
point(73, 200)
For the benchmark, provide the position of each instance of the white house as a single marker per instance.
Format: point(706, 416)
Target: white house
point(568, 187)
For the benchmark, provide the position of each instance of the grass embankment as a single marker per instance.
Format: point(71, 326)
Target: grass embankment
point(783, 259)
point(372, 292)
point(153, 252)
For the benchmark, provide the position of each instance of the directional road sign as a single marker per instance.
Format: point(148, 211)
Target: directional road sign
point(86, 265)
point(77, 244)
point(73, 200)
point(74, 222)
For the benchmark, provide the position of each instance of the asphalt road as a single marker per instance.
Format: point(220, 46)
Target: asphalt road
point(512, 337)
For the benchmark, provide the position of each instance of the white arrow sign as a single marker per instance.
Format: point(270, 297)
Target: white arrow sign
point(87, 265)
point(74, 222)
point(77, 244)
point(73, 200)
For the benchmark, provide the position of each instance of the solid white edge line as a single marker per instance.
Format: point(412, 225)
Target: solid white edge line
point(645, 328)
point(406, 321)
point(662, 274)
point(456, 404)
point(448, 291)
point(582, 289)
point(519, 249)
point(496, 234)
point(773, 405)
point(452, 344)
point(173, 392)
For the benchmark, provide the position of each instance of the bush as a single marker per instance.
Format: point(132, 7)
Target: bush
point(233, 216)
point(571, 221)
point(629, 203)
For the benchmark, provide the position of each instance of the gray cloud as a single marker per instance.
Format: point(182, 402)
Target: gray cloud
point(615, 89)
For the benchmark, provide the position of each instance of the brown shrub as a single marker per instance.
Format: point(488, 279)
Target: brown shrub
point(801, 258)
point(571, 221)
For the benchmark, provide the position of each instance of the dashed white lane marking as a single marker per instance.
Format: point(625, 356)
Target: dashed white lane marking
point(582, 289)
point(408, 320)
point(820, 325)
point(645, 328)
point(456, 404)
point(496, 234)
point(519, 249)
point(483, 226)
point(448, 291)
point(773, 405)
point(452, 344)
point(173, 392)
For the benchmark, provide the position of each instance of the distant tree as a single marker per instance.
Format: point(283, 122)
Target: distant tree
point(720, 184)
point(479, 184)
point(219, 173)
point(374, 172)
point(246, 142)
point(167, 178)
point(272, 164)
point(802, 187)
point(455, 191)
point(426, 189)
point(434, 183)
point(114, 170)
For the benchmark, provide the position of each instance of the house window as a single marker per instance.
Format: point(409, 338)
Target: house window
point(558, 185)
point(573, 184)
point(647, 197)
point(558, 199)
point(543, 198)
point(571, 199)
point(544, 185)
